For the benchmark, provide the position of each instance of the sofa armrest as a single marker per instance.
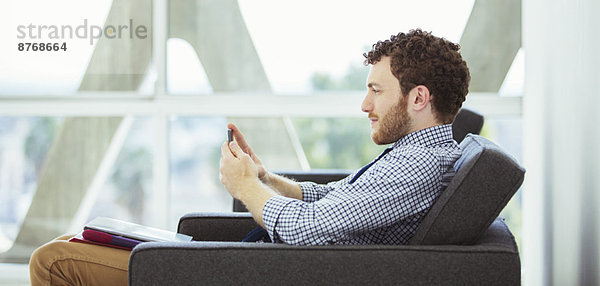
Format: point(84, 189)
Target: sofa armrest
point(323, 176)
point(494, 260)
point(216, 226)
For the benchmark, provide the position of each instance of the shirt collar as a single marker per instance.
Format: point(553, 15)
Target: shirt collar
point(427, 137)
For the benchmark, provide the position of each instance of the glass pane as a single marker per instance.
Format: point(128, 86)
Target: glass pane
point(185, 74)
point(337, 143)
point(331, 42)
point(514, 81)
point(24, 144)
point(125, 193)
point(68, 46)
point(53, 172)
point(507, 132)
point(195, 150)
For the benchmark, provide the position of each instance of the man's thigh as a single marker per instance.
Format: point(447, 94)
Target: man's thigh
point(60, 261)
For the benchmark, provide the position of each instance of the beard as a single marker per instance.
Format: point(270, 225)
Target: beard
point(394, 125)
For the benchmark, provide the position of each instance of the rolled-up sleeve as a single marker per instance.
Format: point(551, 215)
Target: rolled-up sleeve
point(312, 192)
point(271, 213)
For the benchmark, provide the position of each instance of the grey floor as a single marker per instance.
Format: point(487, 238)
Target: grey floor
point(14, 274)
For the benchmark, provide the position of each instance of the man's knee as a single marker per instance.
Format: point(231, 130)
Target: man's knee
point(42, 259)
point(39, 265)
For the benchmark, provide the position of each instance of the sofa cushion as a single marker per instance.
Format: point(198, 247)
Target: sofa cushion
point(485, 180)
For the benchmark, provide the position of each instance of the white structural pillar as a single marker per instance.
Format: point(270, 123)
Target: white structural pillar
point(561, 224)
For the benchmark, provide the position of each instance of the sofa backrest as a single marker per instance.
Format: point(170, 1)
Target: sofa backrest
point(465, 122)
point(485, 180)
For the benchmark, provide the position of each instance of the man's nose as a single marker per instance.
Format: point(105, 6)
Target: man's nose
point(367, 104)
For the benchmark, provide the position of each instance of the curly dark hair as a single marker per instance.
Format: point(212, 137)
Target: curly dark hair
point(420, 58)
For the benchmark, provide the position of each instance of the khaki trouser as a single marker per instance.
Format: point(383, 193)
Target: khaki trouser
point(60, 262)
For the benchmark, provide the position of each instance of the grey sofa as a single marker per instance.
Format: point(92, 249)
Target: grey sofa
point(460, 242)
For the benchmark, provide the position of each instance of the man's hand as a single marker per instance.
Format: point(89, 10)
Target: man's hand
point(241, 151)
point(239, 174)
point(237, 171)
point(262, 173)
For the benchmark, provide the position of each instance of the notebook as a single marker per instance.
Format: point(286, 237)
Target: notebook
point(135, 231)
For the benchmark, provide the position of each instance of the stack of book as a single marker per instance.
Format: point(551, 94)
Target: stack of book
point(123, 235)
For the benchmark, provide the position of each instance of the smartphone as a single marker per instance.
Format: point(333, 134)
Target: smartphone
point(229, 136)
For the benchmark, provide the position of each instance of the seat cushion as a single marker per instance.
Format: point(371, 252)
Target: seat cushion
point(485, 180)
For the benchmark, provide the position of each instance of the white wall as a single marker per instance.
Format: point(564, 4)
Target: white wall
point(561, 133)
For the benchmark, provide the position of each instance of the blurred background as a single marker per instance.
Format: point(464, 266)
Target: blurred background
point(130, 127)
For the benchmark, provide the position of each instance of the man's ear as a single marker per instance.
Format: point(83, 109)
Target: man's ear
point(421, 97)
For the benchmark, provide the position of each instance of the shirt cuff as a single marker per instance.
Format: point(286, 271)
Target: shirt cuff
point(271, 212)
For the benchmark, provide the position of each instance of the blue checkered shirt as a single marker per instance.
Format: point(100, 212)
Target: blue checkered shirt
point(384, 205)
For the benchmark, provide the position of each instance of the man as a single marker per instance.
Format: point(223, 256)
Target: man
point(416, 85)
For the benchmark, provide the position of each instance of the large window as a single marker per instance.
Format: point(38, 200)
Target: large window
point(130, 127)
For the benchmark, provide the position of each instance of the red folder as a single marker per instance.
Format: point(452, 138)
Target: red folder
point(79, 238)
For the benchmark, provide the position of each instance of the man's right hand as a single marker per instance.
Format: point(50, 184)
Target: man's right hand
point(263, 174)
point(281, 185)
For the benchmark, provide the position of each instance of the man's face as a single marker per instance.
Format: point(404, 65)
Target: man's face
point(386, 106)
